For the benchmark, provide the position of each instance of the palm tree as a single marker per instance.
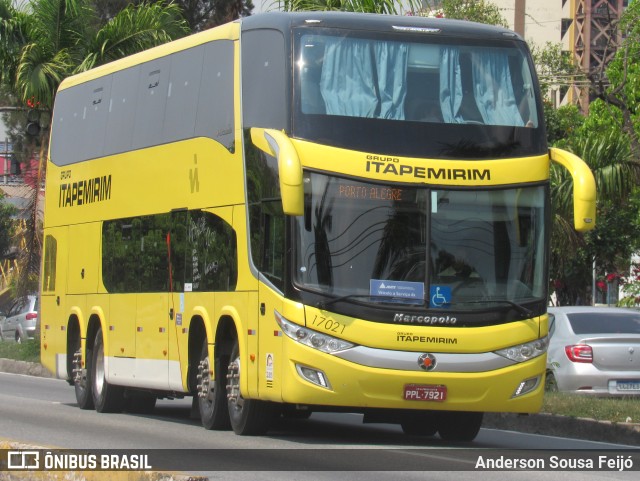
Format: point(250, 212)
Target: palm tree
point(52, 39)
point(44, 41)
point(608, 154)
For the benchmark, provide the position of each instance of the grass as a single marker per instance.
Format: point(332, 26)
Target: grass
point(27, 351)
point(617, 410)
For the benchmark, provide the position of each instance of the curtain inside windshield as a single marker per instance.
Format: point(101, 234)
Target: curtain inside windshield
point(364, 79)
point(367, 78)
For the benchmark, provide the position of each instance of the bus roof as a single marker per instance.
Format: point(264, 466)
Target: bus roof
point(284, 21)
point(369, 21)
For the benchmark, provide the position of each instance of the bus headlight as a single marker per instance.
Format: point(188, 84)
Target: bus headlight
point(526, 351)
point(308, 337)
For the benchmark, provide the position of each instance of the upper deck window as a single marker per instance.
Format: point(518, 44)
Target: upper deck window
point(381, 79)
point(483, 88)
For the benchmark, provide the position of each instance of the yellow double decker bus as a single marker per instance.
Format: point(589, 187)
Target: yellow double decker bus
point(294, 213)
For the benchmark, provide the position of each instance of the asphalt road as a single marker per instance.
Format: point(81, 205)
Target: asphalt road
point(42, 412)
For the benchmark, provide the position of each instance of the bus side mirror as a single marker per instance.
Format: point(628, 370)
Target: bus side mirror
point(584, 188)
point(277, 144)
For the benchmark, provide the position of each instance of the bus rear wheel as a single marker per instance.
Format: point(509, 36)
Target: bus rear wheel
point(81, 376)
point(248, 416)
point(107, 398)
point(459, 426)
point(212, 399)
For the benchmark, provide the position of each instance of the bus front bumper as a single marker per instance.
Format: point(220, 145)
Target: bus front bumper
point(312, 377)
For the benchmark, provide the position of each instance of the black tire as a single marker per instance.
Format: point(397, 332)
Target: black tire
point(107, 398)
point(212, 398)
point(550, 382)
point(140, 402)
point(420, 424)
point(459, 426)
point(249, 417)
point(82, 381)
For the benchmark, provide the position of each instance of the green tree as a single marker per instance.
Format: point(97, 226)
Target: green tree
point(394, 7)
point(562, 123)
point(556, 69)
point(199, 14)
point(52, 39)
point(6, 226)
point(472, 10)
point(45, 41)
point(607, 151)
point(619, 84)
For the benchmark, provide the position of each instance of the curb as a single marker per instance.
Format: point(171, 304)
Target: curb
point(565, 426)
point(544, 424)
point(23, 367)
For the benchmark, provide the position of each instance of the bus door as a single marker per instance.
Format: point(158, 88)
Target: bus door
point(152, 340)
point(53, 302)
point(153, 255)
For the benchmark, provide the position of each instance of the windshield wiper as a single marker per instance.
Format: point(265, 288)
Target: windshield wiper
point(518, 307)
point(325, 303)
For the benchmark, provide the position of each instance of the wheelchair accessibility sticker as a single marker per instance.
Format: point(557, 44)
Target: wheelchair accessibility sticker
point(440, 296)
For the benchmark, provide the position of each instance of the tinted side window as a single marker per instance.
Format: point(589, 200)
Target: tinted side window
point(49, 267)
point(609, 323)
point(151, 102)
point(266, 219)
point(264, 79)
point(215, 117)
point(200, 248)
point(211, 257)
point(135, 255)
point(183, 95)
point(122, 109)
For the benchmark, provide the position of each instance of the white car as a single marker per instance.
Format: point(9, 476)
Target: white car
point(19, 323)
point(594, 350)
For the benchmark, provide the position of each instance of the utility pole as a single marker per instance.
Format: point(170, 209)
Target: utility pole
point(7, 160)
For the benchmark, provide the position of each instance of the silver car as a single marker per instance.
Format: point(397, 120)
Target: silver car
point(20, 319)
point(594, 350)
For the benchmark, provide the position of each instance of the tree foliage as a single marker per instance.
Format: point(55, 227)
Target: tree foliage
point(45, 41)
point(199, 14)
point(619, 84)
point(6, 226)
point(481, 11)
point(556, 69)
point(52, 39)
point(393, 7)
point(607, 151)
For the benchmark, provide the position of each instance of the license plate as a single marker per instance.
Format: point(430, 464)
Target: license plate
point(628, 385)
point(425, 392)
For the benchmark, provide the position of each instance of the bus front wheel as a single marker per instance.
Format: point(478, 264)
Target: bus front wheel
point(248, 416)
point(420, 424)
point(107, 398)
point(459, 426)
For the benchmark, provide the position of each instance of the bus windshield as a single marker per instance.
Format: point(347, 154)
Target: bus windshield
point(437, 248)
point(455, 100)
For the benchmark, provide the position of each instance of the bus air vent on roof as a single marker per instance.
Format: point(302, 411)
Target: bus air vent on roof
point(417, 29)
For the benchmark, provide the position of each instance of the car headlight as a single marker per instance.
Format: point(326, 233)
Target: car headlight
point(308, 337)
point(526, 351)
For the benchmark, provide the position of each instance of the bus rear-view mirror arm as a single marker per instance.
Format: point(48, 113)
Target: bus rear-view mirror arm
point(584, 188)
point(277, 144)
